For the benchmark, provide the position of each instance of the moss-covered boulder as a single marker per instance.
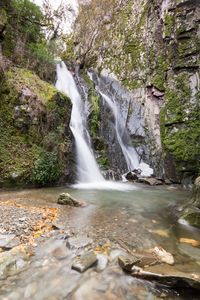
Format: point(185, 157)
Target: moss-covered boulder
point(35, 143)
point(191, 212)
point(3, 19)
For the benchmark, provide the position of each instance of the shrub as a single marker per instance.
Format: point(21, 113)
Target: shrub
point(47, 169)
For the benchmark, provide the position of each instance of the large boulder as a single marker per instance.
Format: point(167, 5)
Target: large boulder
point(67, 199)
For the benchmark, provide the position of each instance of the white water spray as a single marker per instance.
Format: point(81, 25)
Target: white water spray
point(130, 155)
point(88, 171)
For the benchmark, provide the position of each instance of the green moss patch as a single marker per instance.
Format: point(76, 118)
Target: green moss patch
point(34, 132)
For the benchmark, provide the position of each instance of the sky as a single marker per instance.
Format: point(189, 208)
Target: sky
point(55, 3)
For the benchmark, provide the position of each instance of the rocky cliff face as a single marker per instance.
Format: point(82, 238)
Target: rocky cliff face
point(151, 48)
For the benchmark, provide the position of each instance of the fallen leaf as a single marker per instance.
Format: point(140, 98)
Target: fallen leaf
point(192, 242)
point(160, 232)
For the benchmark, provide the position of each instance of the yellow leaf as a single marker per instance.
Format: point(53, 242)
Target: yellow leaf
point(192, 242)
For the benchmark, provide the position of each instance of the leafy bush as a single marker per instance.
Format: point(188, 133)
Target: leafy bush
point(46, 170)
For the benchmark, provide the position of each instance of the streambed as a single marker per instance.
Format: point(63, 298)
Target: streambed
point(137, 220)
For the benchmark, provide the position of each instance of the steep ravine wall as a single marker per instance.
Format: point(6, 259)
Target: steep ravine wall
point(151, 48)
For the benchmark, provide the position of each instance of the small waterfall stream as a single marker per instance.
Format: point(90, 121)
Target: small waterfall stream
point(87, 167)
point(130, 155)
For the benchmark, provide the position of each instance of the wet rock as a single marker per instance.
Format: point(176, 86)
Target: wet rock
point(157, 93)
point(191, 212)
point(192, 216)
point(30, 290)
point(78, 242)
point(131, 176)
point(115, 253)
point(168, 280)
point(67, 199)
point(60, 252)
point(112, 175)
point(85, 261)
point(12, 261)
point(8, 241)
point(163, 255)
point(150, 181)
point(127, 262)
point(102, 262)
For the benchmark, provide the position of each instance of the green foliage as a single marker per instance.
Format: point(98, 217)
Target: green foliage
point(180, 124)
point(3, 18)
point(94, 118)
point(41, 52)
point(103, 161)
point(32, 130)
point(160, 69)
point(69, 54)
point(28, 19)
point(25, 41)
point(47, 169)
point(168, 25)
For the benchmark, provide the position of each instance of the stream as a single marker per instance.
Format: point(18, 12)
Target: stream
point(140, 219)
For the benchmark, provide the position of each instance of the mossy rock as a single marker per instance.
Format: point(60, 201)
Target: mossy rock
point(192, 210)
point(3, 19)
point(180, 125)
point(192, 216)
point(32, 112)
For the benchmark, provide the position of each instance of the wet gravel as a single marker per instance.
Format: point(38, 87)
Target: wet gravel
point(18, 220)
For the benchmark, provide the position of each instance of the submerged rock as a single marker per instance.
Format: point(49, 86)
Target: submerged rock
point(67, 199)
point(102, 262)
point(12, 261)
point(78, 242)
point(8, 241)
point(84, 262)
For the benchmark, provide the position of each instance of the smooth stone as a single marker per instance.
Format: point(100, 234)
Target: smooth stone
point(60, 252)
point(78, 242)
point(84, 262)
point(8, 241)
point(67, 199)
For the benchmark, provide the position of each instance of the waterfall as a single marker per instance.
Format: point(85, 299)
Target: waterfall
point(130, 155)
point(87, 167)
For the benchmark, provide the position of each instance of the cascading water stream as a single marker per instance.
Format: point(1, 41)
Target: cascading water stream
point(130, 155)
point(87, 168)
